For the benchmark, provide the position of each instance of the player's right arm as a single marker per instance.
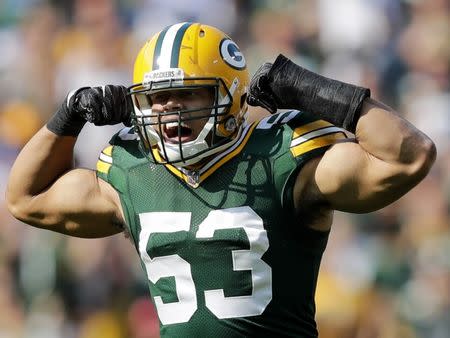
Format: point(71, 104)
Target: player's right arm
point(44, 191)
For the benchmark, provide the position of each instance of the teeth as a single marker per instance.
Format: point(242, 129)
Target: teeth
point(175, 125)
point(172, 125)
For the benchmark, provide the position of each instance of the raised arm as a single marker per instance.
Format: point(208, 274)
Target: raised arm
point(43, 189)
point(386, 159)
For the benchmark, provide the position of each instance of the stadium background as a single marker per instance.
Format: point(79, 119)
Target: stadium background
point(384, 274)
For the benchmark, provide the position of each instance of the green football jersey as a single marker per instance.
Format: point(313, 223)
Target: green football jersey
point(222, 249)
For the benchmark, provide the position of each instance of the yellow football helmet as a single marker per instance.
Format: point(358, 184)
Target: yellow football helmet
point(187, 56)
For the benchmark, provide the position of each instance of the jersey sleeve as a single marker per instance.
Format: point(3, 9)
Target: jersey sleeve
point(304, 137)
point(109, 166)
point(114, 158)
point(104, 162)
point(113, 165)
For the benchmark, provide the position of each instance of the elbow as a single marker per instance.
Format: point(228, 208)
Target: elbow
point(424, 160)
point(27, 209)
point(12, 201)
point(428, 157)
point(12, 204)
point(17, 209)
point(24, 211)
point(20, 207)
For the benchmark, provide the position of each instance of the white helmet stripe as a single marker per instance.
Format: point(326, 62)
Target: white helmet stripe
point(165, 58)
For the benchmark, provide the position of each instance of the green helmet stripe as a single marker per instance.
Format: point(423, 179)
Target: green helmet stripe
point(177, 45)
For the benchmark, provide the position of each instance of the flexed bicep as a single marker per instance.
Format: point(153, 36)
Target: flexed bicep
point(76, 204)
point(352, 180)
point(388, 158)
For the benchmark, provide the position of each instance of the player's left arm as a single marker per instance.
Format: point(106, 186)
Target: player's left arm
point(388, 158)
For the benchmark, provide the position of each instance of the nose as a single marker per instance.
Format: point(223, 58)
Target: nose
point(173, 103)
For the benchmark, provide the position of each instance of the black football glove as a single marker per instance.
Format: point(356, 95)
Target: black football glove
point(106, 105)
point(260, 93)
point(286, 85)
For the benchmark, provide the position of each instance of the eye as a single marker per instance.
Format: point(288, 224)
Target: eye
point(187, 94)
point(159, 97)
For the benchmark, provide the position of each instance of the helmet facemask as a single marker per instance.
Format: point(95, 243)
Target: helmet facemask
point(218, 132)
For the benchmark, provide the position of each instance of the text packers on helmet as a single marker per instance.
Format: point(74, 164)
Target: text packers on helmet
point(190, 55)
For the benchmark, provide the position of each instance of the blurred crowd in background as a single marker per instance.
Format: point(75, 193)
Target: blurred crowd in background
point(384, 274)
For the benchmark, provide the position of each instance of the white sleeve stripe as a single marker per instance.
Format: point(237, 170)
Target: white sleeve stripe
point(314, 134)
point(105, 158)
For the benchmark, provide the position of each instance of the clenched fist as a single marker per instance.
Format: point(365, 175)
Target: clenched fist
point(106, 105)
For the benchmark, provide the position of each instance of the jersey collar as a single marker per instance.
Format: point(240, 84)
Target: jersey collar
point(195, 177)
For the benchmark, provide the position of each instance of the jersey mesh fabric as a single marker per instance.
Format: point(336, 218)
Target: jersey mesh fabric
point(293, 253)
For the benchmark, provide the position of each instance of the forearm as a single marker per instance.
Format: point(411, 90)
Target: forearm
point(43, 159)
point(381, 132)
point(286, 85)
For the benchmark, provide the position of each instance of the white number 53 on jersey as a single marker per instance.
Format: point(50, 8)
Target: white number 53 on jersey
point(175, 266)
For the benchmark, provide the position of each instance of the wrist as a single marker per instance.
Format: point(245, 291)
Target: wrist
point(64, 125)
point(66, 121)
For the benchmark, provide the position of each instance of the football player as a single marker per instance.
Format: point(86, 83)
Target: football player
point(230, 218)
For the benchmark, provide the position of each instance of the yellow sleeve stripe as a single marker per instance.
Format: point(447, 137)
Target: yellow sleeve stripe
point(108, 150)
point(105, 160)
point(317, 142)
point(103, 167)
point(310, 127)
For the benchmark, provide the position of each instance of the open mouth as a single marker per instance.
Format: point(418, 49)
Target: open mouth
point(172, 129)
